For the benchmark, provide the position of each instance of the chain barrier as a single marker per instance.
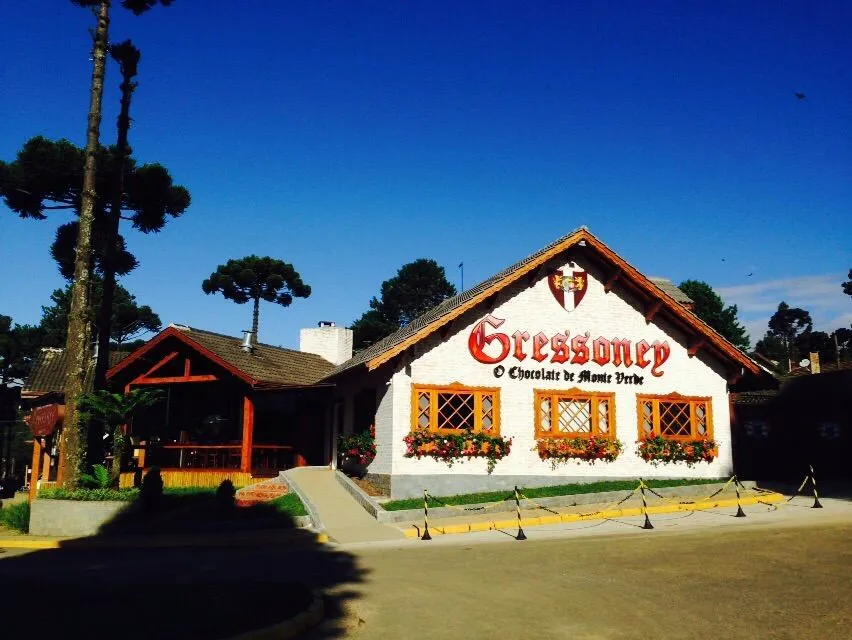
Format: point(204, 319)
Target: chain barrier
point(642, 487)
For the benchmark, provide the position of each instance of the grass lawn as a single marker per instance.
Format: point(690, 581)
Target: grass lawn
point(544, 492)
point(188, 510)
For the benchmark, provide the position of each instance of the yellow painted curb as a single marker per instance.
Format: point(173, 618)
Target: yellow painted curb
point(23, 543)
point(472, 527)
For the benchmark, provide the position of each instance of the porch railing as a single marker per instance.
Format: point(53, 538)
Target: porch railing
point(187, 455)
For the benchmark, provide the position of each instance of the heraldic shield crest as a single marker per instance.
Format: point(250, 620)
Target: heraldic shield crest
point(568, 286)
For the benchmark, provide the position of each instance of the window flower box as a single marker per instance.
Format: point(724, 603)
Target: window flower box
point(591, 449)
point(449, 448)
point(659, 450)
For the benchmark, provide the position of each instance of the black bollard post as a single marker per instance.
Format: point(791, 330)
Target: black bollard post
point(425, 535)
point(740, 512)
point(816, 504)
point(521, 535)
point(647, 524)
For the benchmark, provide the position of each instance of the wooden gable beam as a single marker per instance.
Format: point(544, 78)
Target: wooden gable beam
point(652, 308)
point(142, 380)
point(533, 276)
point(445, 330)
point(610, 282)
point(160, 364)
point(186, 367)
point(694, 347)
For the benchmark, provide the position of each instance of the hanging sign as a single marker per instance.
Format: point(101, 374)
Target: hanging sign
point(43, 420)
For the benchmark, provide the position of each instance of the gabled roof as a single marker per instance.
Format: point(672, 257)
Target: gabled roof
point(620, 272)
point(264, 366)
point(51, 366)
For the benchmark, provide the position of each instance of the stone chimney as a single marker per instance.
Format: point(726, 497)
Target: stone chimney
point(327, 340)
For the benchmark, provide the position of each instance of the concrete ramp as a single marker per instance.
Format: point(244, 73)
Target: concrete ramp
point(334, 510)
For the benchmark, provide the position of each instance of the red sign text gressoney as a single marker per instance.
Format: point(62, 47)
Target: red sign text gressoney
point(563, 348)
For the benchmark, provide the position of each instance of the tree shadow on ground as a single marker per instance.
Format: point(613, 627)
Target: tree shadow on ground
point(189, 571)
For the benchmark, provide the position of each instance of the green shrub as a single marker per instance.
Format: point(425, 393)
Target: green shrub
point(99, 478)
point(16, 516)
point(94, 495)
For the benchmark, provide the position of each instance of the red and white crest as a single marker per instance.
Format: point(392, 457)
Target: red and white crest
point(568, 286)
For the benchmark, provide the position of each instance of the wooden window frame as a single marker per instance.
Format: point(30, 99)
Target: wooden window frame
point(455, 388)
point(693, 401)
point(574, 394)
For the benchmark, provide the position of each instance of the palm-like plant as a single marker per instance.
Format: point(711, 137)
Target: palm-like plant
point(115, 410)
point(253, 278)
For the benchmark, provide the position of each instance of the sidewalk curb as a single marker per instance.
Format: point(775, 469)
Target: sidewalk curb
point(414, 530)
point(311, 617)
point(176, 541)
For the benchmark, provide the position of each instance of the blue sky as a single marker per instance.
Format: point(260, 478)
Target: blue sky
point(351, 137)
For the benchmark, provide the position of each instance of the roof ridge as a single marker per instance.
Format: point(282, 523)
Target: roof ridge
point(187, 328)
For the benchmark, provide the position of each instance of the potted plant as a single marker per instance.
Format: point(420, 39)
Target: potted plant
point(356, 451)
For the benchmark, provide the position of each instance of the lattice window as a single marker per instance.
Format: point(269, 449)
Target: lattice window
point(675, 417)
point(574, 413)
point(455, 408)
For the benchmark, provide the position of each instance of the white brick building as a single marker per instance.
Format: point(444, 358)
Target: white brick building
point(568, 343)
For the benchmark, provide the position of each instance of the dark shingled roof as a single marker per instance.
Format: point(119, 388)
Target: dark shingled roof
point(50, 367)
point(264, 366)
point(267, 364)
point(670, 288)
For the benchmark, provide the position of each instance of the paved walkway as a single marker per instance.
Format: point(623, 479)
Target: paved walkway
point(340, 515)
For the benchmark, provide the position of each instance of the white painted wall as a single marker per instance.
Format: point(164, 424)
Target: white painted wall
point(534, 309)
point(331, 342)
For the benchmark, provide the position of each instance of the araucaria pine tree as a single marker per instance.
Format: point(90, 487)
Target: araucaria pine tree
point(255, 279)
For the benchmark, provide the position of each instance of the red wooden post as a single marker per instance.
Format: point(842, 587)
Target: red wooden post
point(34, 471)
point(248, 432)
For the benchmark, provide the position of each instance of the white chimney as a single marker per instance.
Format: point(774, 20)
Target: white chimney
point(327, 340)
point(248, 341)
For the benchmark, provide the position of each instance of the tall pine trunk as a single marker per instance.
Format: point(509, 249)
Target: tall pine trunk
point(255, 320)
point(128, 57)
point(78, 350)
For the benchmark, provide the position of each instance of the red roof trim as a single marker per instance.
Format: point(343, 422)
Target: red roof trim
point(173, 332)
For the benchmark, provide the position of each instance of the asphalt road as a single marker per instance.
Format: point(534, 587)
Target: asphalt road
point(757, 578)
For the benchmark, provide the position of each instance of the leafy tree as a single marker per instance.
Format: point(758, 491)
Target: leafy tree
point(18, 347)
point(78, 348)
point(254, 278)
point(415, 289)
point(789, 329)
point(128, 320)
point(710, 308)
point(113, 411)
point(847, 286)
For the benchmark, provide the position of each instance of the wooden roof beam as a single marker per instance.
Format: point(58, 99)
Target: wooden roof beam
point(610, 281)
point(695, 345)
point(652, 308)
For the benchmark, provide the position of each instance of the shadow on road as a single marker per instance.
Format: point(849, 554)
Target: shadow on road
point(213, 575)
